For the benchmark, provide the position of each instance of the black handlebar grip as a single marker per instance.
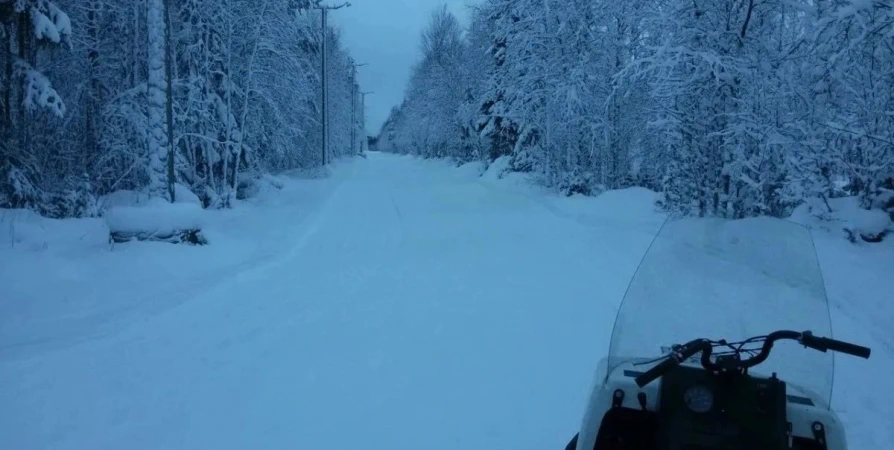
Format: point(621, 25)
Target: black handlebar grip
point(845, 347)
point(656, 371)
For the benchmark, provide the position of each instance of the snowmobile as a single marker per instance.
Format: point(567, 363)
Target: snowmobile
point(738, 280)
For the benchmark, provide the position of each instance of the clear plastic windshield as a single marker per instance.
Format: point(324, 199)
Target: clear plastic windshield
point(723, 279)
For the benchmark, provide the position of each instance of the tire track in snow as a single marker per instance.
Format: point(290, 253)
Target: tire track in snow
point(400, 218)
point(207, 294)
point(207, 286)
point(875, 331)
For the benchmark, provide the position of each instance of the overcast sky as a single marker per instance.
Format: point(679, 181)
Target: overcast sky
point(385, 34)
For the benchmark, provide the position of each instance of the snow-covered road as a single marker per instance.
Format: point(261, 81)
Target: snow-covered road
point(417, 307)
point(397, 304)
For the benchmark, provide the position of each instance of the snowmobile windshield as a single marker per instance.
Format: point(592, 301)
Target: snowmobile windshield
point(732, 280)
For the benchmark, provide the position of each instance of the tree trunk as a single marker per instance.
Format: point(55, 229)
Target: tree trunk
point(94, 97)
point(157, 98)
point(169, 106)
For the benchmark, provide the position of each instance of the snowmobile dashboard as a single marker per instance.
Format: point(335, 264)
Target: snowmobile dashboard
point(699, 409)
point(715, 406)
point(718, 405)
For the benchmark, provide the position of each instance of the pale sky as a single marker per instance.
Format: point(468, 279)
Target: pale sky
point(385, 34)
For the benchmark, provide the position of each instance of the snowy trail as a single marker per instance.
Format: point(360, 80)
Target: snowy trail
point(418, 308)
point(397, 304)
point(93, 290)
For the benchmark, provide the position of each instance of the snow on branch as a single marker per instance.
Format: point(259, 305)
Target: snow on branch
point(39, 92)
point(50, 22)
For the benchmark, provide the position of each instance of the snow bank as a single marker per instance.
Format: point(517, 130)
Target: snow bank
point(313, 173)
point(22, 229)
point(475, 168)
point(157, 217)
point(631, 207)
point(867, 222)
point(846, 215)
point(125, 198)
point(497, 169)
point(263, 185)
point(183, 194)
point(631, 202)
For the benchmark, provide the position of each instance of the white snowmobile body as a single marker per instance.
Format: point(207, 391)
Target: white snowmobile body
point(733, 280)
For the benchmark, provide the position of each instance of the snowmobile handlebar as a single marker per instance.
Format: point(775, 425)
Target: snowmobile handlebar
point(656, 371)
point(824, 344)
point(678, 355)
point(705, 347)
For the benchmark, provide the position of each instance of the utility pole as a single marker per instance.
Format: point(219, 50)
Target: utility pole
point(324, 11)
point(354, 104)
point(363, 112)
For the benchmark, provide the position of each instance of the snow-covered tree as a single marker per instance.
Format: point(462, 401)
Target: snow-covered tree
point(217, 69)
point(730, 108)
point(435, 91)
point(854, 45)
point(26, 27)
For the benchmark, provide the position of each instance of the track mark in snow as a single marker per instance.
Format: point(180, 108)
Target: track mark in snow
point(257, 271)
point(400, 218)
point(314, 227)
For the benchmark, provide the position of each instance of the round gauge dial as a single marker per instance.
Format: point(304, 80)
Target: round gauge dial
point(699, 399)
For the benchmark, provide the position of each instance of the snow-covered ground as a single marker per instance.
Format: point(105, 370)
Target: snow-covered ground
point(397, 304)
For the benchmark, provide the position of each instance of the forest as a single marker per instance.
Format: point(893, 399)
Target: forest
point(728, 108)
point(158, 96)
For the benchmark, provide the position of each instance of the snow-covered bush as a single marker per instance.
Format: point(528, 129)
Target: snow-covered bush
point(846, 214)
point(69, 203)
point(19, 190)
point(869, 225)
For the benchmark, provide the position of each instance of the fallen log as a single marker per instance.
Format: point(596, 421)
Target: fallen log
point(157, 221)
point(189, 236)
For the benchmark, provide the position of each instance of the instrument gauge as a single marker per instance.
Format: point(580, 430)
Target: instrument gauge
point(699, 399)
